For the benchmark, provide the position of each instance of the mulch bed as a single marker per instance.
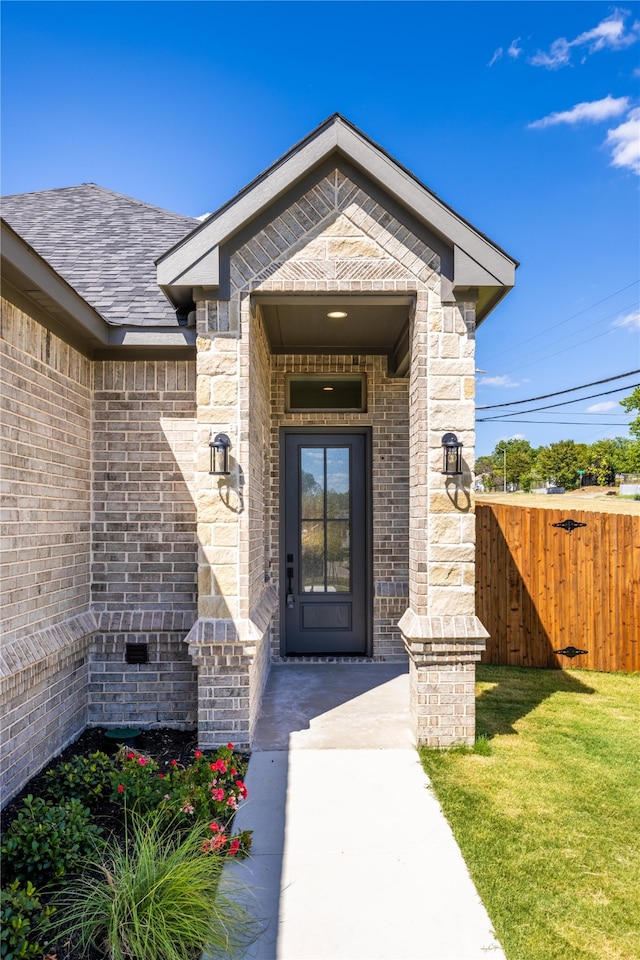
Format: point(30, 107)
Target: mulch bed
point(162, 745)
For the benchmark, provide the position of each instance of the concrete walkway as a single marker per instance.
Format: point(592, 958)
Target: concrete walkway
point(352, 858)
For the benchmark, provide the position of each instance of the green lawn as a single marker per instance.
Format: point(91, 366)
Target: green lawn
point(546, 810)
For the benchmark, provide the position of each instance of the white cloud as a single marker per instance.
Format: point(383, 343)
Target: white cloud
point(611, 33)
point(559, 55)
point(625, 142)
point(602, 407)
point(514, 50)
point(631, 321)
point(497, 54)
point(501, 381)
point(593, 111)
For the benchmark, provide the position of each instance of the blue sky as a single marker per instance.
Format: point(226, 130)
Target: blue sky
point(524, 117)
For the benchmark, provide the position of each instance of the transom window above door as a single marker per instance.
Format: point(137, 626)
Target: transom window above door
point(317, 392)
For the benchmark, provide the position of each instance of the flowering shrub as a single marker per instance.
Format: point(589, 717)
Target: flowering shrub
point(135, 781)
point(208, 790)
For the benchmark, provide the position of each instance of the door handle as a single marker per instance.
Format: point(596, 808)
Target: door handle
point(290, 597)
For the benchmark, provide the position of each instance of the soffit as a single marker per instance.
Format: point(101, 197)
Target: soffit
point(373, 325)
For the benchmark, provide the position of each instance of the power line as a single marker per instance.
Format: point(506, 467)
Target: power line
point(562, 322)
point(569, 336)
point(558, 393)
point(561, 423)
point(564, 403)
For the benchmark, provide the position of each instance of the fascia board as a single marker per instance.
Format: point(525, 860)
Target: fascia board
point(467, 272)
point(205, 272)
point(248, 205)
point(425, 205)
point(25, 264)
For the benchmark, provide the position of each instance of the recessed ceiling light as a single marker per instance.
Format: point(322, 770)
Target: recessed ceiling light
point(327, 388)
point(337, 314)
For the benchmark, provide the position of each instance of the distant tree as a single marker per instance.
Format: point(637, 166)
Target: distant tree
point(560, 462)
point(520, 458)
point(485, 471)
point(629, 457)
point(630, 403)
point(604, 460)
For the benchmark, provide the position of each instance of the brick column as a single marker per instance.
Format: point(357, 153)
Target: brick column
point(441, 633)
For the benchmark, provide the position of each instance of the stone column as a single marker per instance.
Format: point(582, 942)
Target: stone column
point(442, 635)
point(223, 698)
point(229, 642)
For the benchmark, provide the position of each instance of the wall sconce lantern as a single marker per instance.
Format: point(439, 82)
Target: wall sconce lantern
point(451, 455)
point(219, 448)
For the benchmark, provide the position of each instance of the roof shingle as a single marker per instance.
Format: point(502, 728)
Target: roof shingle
point(104, 244)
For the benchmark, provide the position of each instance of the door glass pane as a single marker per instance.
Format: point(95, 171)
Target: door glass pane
point(312, 556)
point(338, 556)
point(312, 482)
point(325, 548)
point(338, 483)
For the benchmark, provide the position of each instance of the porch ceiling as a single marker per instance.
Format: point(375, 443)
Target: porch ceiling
point(373, 324)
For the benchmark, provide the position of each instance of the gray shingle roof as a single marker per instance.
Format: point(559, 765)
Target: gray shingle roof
point(104, 244)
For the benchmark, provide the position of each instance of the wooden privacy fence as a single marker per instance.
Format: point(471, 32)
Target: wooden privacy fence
point(543, 588)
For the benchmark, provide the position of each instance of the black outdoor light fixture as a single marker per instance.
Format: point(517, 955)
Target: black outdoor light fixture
point(451, 455)
point(219, 448)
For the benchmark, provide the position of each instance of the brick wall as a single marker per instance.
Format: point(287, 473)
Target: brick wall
point(144, 567)
point(45, 393)
point(46, 476)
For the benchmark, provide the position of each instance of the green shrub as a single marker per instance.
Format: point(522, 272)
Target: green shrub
point(47, 841)
point(24, 920)
point(157, 897)
point(82, 778)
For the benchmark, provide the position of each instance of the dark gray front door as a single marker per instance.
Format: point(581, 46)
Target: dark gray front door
point(325, 573)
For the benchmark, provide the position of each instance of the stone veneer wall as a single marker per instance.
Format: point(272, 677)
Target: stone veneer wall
point(46, 480)
point(387, 414)
point(144, 542)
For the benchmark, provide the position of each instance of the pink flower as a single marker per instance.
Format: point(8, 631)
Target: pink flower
point(218, 794)
point(214, 826)
point(188, 808)
point(234, 847)
point(161, 775)
point(234, 772)
point(230, 746)
point(174, 763)
point(198, 754)
point(120, 788)
point(142, 761)
point(241, 787)
point(131, 756)
point(232, 802)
